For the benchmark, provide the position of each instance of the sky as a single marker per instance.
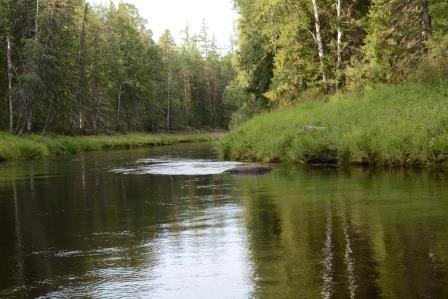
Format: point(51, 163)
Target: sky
point(175, 14)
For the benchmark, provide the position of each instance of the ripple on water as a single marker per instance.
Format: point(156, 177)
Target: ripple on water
point(170, 166)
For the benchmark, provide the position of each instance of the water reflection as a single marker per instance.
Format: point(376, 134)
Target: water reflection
point(354, 234)
point(71, 228)
point(327, 253)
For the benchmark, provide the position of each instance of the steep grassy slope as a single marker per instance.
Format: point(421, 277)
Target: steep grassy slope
point(392, 125)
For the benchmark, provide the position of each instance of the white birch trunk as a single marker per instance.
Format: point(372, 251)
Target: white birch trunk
point(36, 23)
point(81, 67)
point(339, 37)
point(320, 46)
point(119, 105)
point(29, 121)
point(9, 61)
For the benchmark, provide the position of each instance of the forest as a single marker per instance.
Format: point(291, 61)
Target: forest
point(290, 51)
point(370, 68)
point(72, 68)
point(343, 82)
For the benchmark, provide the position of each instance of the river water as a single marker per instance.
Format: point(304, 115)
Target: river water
point(166, 223)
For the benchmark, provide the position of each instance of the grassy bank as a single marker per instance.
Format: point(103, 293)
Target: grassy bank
point(34, 146)
point(394, 126)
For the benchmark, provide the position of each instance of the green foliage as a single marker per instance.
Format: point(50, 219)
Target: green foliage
point(278, 46)
point(395, 126)
point(395, 40)
point(82, 69)
point(434, 66)
point(12, 148)
point(381, 41)
point(36, 146)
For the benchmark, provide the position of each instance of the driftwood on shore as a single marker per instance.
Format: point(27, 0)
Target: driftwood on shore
point(249, 169)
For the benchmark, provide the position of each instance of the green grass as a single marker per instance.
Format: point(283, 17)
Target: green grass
point(35, 146)
point(404, 126)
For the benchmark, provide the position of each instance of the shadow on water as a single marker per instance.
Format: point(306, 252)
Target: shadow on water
point(72, 228)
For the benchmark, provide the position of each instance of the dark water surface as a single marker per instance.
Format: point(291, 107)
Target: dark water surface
point(123, 225)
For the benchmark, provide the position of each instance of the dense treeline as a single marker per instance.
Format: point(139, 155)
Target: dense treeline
point(293, 50)
point(371, 77)
point(70, 67)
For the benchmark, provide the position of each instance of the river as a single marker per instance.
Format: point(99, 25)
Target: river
point(165, 222)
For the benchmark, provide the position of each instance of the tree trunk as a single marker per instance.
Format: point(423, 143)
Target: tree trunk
point(339, 37)
point(81, 62)
point(427, 23)
point(29, 119)
point(214, 100)
point(95, 121)
point(46, 122)
point(9, 61)
point(29, 122)
point(187, 98)
point(119, 106)
point(36, 21)
point(320, 46)
point(210, 105)
point(168, 113)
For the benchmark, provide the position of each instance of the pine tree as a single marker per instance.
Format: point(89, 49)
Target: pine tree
point(69, 67)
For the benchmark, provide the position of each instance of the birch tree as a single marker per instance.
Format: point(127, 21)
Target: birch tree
point(320, 46)
point(339, 34)
point(9, 62)
point(82, 80)
point(6, 35)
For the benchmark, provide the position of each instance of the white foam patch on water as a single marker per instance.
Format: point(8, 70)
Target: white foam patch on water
point(168, 166)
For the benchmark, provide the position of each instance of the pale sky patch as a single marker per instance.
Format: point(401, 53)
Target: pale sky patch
point(175, 14)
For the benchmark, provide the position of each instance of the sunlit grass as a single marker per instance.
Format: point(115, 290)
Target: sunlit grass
point(35, 146)
point(392, 125)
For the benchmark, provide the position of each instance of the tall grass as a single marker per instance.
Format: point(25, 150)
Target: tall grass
point(34, 146)
point(392, 125)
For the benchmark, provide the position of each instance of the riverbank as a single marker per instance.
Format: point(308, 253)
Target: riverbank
point(404, 126)
point(35, 146)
